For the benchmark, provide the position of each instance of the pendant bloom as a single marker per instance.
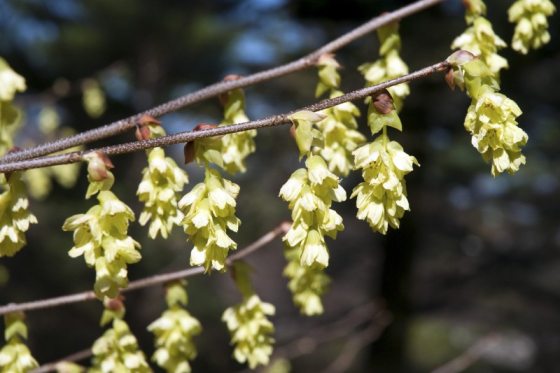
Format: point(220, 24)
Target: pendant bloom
point(531, 23)
point(15, 217)
point(161, 181)
point(381, 197)
point(491, 120)
point(307, 284)
point(174, 332)
point(209, 210)
point(15, 357)
point(251, 330)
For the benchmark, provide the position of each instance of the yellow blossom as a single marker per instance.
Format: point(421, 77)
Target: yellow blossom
point(531, 24)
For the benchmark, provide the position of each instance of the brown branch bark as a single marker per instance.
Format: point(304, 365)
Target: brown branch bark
point(183, 137)
point(146, 282)
point(216, 89)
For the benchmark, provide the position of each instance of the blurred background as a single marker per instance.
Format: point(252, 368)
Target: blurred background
point(475, 263)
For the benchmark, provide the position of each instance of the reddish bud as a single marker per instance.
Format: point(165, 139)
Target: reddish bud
point(204, 127)
point(293, 131)
point(143, 133)
point(382, 102)
point(98, 165)
point(114, 304)
point(148, 119)
point(450, 78)
point(188, 150)
point(224, 96)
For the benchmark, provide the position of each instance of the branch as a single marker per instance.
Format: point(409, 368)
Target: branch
point(183, 137)
point(142, 283)
point(52, 367)
point(373, 312)
point(216, 89)
point(469, 357)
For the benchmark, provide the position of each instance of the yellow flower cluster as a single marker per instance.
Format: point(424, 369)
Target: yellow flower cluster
point(491, 117)
point(531, 29)
point(15, 217)
point(310, 192)
point(100, 235)
point(307, 284)
point(174, 332)
point(338, 128)
point(209, 210)
point(117, 349)
point(250, 330)
point(491, 120)
point(390, 65)
point(248, 323)
point(162, 179)
point(15, 357)
point(236, 147)
point(480, 38)
point(381, 197)
point(10, 82)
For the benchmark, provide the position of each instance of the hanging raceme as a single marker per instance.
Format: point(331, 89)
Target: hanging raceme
point(117, 349)
point(174, 332)
point(339, 128)
point(209, 208)
point(15, 217)
point(390, 64)
point(310, 192)
point(100, 235)
point(236, 147)
point(491, 117)
point(531, 24)
point(15, 357)
point(480, 39)
point(162, 180)
point(10, 83)
point(307, 284)
point(248, 323)
point(381, 197)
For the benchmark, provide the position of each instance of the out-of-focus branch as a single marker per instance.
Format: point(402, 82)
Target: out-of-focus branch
point(184, 137)
point(469, 357)
point(51, 367)
point(216, 89)
point(146, 282)
point(373, 315)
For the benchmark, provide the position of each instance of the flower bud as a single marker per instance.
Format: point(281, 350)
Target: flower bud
point(98, 165)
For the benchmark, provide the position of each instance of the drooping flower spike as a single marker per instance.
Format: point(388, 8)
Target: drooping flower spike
point(174, 331)
point(248, 323)
point(101, 234)
point(531, 23)
point(381, 198)
point(162, 181)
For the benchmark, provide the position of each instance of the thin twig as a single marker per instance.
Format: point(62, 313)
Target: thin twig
point(142, 283)
point(356, 343)
point(216, 89)
point(469, 357)
point(372, 311)
point(51, 367)
point(183, 137)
